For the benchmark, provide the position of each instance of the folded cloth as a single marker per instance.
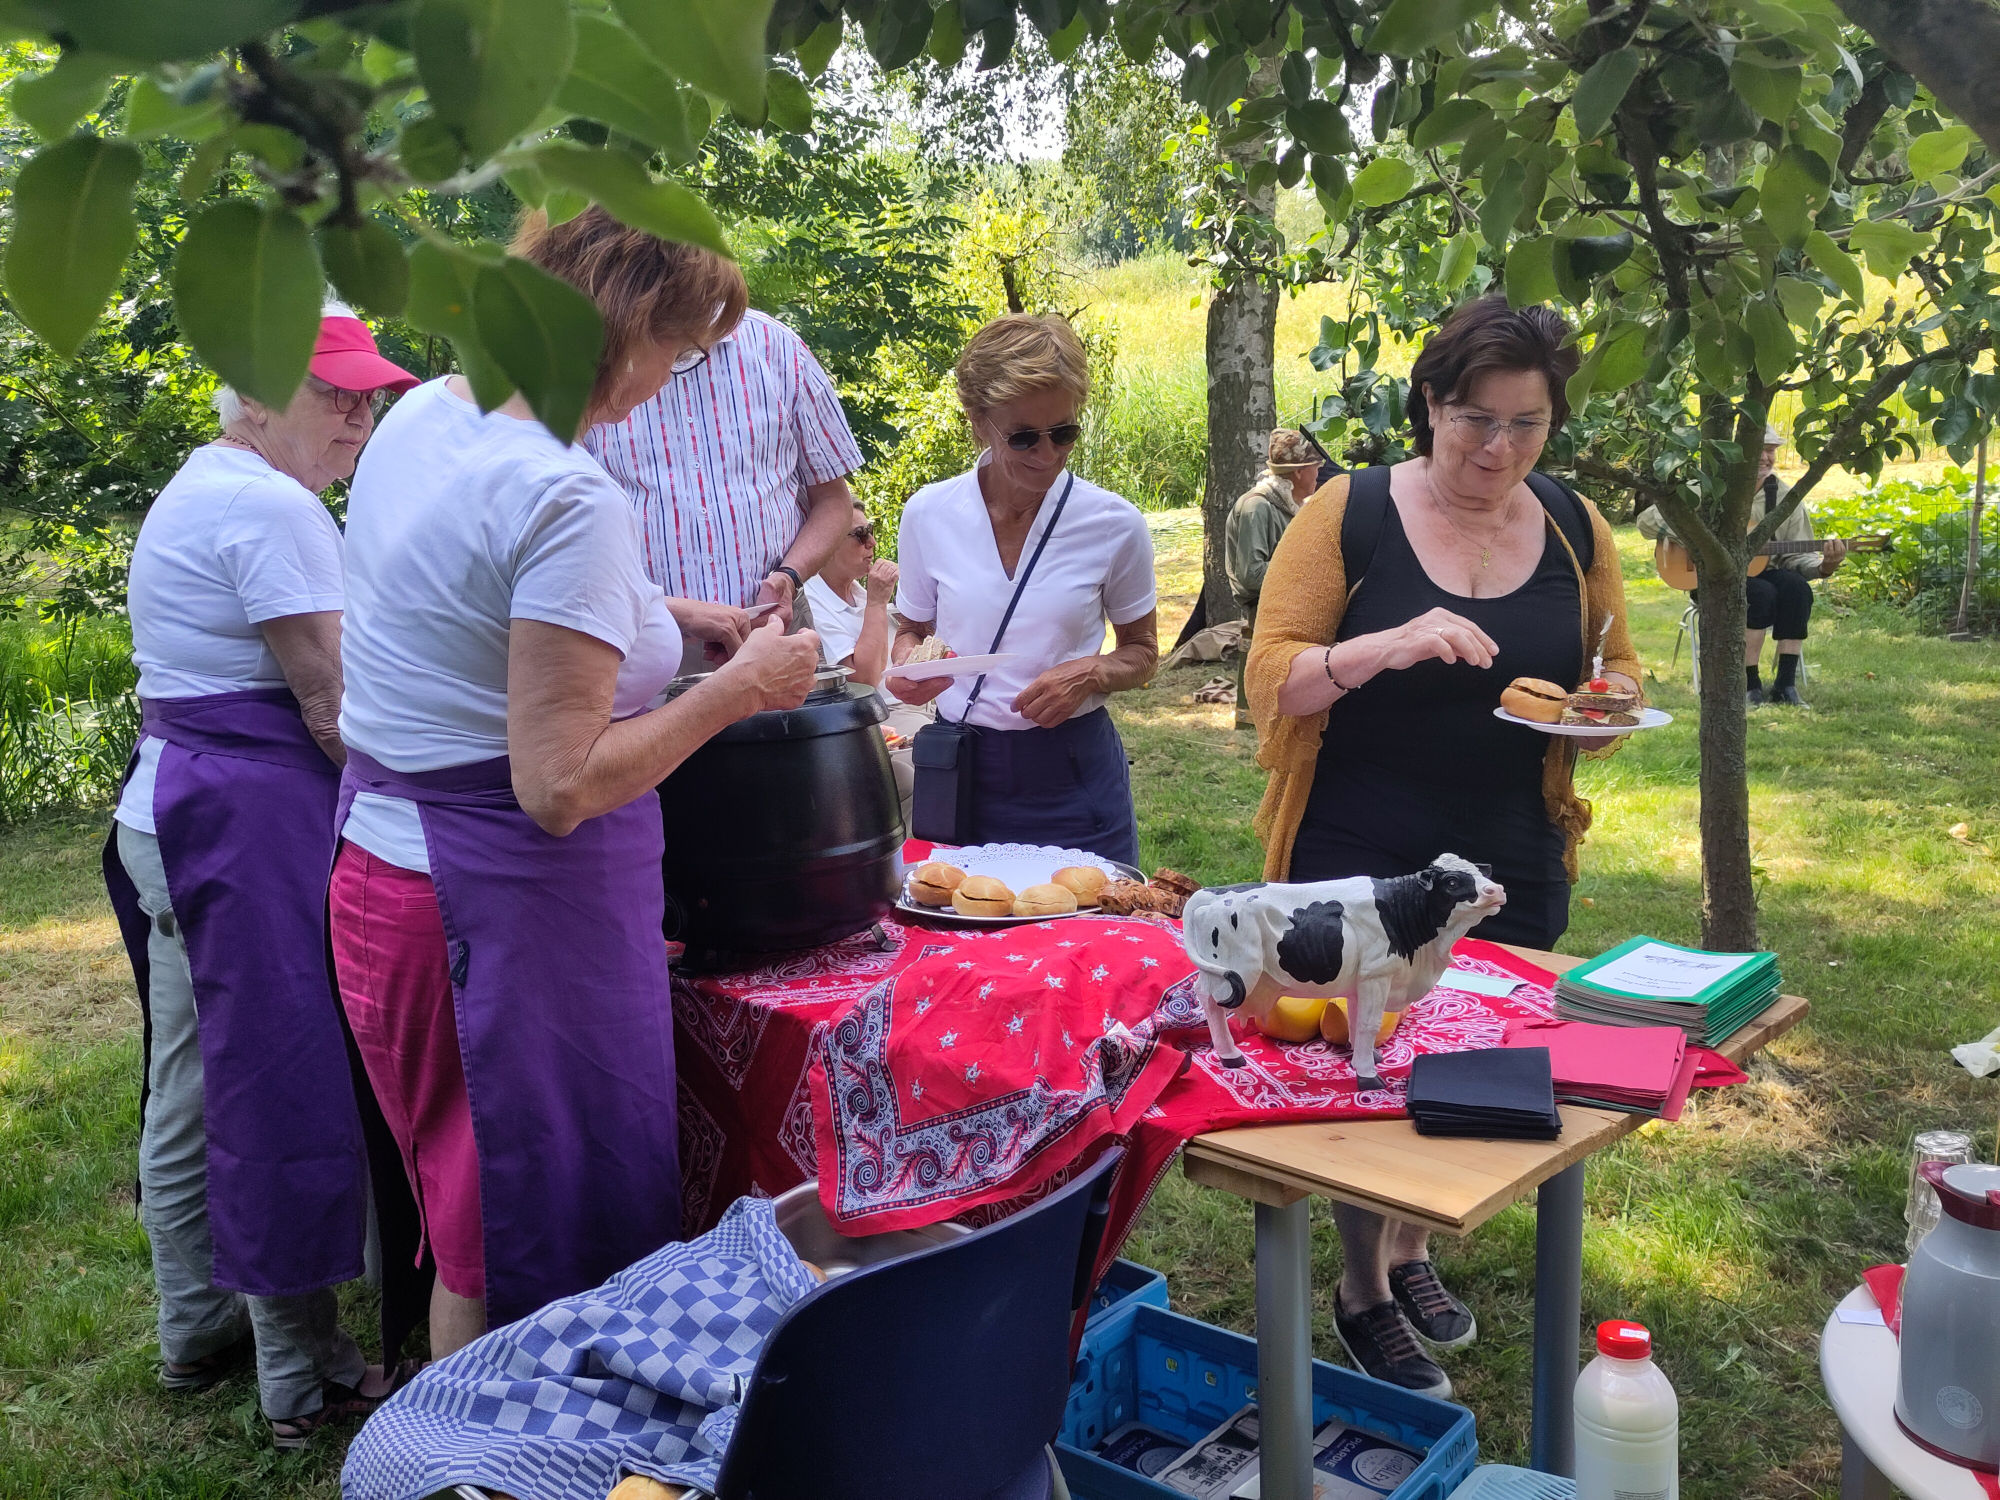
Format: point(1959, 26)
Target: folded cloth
point(641, 1375)
point(1498, 1093)
point(1981, 1057)
point(1639, 1069)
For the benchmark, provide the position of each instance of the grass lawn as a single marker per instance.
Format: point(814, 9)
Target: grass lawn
point(1730, 1234)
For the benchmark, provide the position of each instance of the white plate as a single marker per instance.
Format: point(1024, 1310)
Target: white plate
point(950, 666)
point(1649, 718)
point(1017, 866)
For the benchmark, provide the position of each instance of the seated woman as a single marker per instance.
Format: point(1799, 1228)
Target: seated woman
point(1047, 765)
point(496, 901)
point(854, 632)
point(1374, 704)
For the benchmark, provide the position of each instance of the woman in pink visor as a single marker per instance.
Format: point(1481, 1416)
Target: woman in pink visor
point(251, 1165)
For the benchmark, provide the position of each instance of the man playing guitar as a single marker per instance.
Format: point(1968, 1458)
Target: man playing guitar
point(1781, 596)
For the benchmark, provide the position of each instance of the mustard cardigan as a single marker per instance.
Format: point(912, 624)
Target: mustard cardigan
point(1306, 593)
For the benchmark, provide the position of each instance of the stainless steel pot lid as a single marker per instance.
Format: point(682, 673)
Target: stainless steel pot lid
point(825, 680)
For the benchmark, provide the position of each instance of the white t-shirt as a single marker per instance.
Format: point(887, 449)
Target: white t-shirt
point(1098, 566)
point(838, 622)
point(229, 544)
point(459, 522)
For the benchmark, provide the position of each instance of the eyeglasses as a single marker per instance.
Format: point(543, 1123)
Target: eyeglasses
point(864, 535)
point(345, 401)
point(1062, 435)
point(688, 361)
point(1479, 428)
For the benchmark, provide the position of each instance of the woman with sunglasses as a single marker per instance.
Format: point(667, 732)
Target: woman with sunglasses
point(1047, 764)
point(250, 1153)
point(496, 900)
point(1373, 681)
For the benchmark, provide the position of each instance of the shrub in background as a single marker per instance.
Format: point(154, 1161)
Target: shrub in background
point(1924, 572)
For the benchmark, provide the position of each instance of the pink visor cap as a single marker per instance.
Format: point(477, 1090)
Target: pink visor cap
point(346, 357)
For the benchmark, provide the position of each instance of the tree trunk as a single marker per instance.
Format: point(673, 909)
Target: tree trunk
point(1242, 410)
point(1952, 45)
point(1728, 888)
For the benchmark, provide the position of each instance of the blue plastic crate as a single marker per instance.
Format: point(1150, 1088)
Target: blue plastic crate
point(1125, 1283)
point(1184, 1377)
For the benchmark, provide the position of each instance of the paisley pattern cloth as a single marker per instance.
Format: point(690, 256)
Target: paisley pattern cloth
point(641, 1375)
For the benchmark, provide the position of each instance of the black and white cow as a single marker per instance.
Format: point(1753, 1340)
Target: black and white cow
point(1380, 943)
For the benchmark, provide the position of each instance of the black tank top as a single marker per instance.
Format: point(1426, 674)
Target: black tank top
point(1414, 764)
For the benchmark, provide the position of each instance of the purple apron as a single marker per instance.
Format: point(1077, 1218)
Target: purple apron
point(244, 811)
point(565, 1025)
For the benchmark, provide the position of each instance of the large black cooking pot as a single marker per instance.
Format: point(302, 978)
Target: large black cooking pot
point(785, 830)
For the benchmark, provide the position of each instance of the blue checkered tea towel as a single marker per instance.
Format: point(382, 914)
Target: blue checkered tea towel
point(640, 1376)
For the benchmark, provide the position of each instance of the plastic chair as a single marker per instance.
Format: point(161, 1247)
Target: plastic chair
point(1691, 632)
point(940, 1374)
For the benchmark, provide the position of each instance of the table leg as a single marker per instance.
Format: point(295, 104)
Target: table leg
point(1284, 1350)
point(1558, 1313)
point(1859, 1478)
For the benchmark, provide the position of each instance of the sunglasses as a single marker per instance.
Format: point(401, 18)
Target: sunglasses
point(864, 535)
point(345, 401)
point(1062, 435)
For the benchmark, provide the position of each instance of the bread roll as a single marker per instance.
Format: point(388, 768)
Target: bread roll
point(932, 884)
point(982, 896)
point(1533, 698)
point(1084, 881)
point(1049, 900)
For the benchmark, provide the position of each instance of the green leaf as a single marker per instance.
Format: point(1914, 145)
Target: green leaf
point(429, 149)
point(719, 48)
point(947, 44)
point(1322, 126)
point(1590, 256)
point(1930, 154)
point(441, 289)
point(1887, 245)
point(73, 228)
point(492, 66)
point(614, 80)
point(1452, 120)
point(546, 336)
point(204, 165)
point(1410, 28)
point(247, 294)
point(1502, 206)
point(152, 111)
point(1602, 89)
point(54, 101)
point(791, 106)
point(1772, 337)
point(1624, 359)
point(1772, 92)
point(1839, 266)
point(1138, 28)
point(817, 50)
point(898, 31)
point(366, 264)
point(154, 31)
point(1383, 180)
point(630, 193)
point(1460, 256)
point(1531, 272)
point(1064, 43)
point(1800, 300)
point(1793, 187)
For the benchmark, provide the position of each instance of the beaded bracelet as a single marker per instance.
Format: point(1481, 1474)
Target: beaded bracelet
point(1327, 662)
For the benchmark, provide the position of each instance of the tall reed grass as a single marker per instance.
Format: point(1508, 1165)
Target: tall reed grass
point(68, 714)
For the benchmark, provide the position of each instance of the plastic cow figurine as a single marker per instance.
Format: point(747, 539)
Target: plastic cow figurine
point(1380, 943)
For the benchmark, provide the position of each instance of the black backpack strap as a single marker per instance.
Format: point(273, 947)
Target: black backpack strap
point(1567, 510)
point(1361, 526)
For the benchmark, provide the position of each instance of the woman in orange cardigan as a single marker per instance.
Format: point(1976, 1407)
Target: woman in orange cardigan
point(1374, 700)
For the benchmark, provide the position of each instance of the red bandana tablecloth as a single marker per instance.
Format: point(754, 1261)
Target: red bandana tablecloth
point(957, 1074)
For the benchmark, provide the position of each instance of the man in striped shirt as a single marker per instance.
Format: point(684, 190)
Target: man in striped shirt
point(737, 470)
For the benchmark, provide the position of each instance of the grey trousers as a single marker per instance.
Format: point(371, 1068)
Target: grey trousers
point(300, 1343)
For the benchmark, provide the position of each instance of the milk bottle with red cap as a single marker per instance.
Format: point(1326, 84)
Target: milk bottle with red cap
point(1628, 1424)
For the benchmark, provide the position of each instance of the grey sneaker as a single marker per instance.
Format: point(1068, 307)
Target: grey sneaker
point(1382, 1344)
point(1439, 1318)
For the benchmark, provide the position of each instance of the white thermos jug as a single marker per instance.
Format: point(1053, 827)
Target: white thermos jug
point(1948, 1393)
point(1628, 1423)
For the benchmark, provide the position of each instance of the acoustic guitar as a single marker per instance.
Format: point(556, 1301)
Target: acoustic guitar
point(1676, 564)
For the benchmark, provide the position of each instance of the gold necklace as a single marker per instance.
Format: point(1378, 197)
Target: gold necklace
point(1485, 547)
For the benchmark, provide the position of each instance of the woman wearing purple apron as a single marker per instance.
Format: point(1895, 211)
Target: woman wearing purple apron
point(496, 898)
point(252, 1183)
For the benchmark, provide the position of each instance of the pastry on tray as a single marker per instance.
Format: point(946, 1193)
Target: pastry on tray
point(1083, 881)
point(1127, 898)
point(1050, 900)
point(982, 896)
point(932, 884)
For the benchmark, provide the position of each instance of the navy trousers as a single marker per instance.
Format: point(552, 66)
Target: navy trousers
point(1070, 787)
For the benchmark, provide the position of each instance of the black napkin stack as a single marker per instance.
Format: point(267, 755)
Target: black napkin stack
point(1501, 1093)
